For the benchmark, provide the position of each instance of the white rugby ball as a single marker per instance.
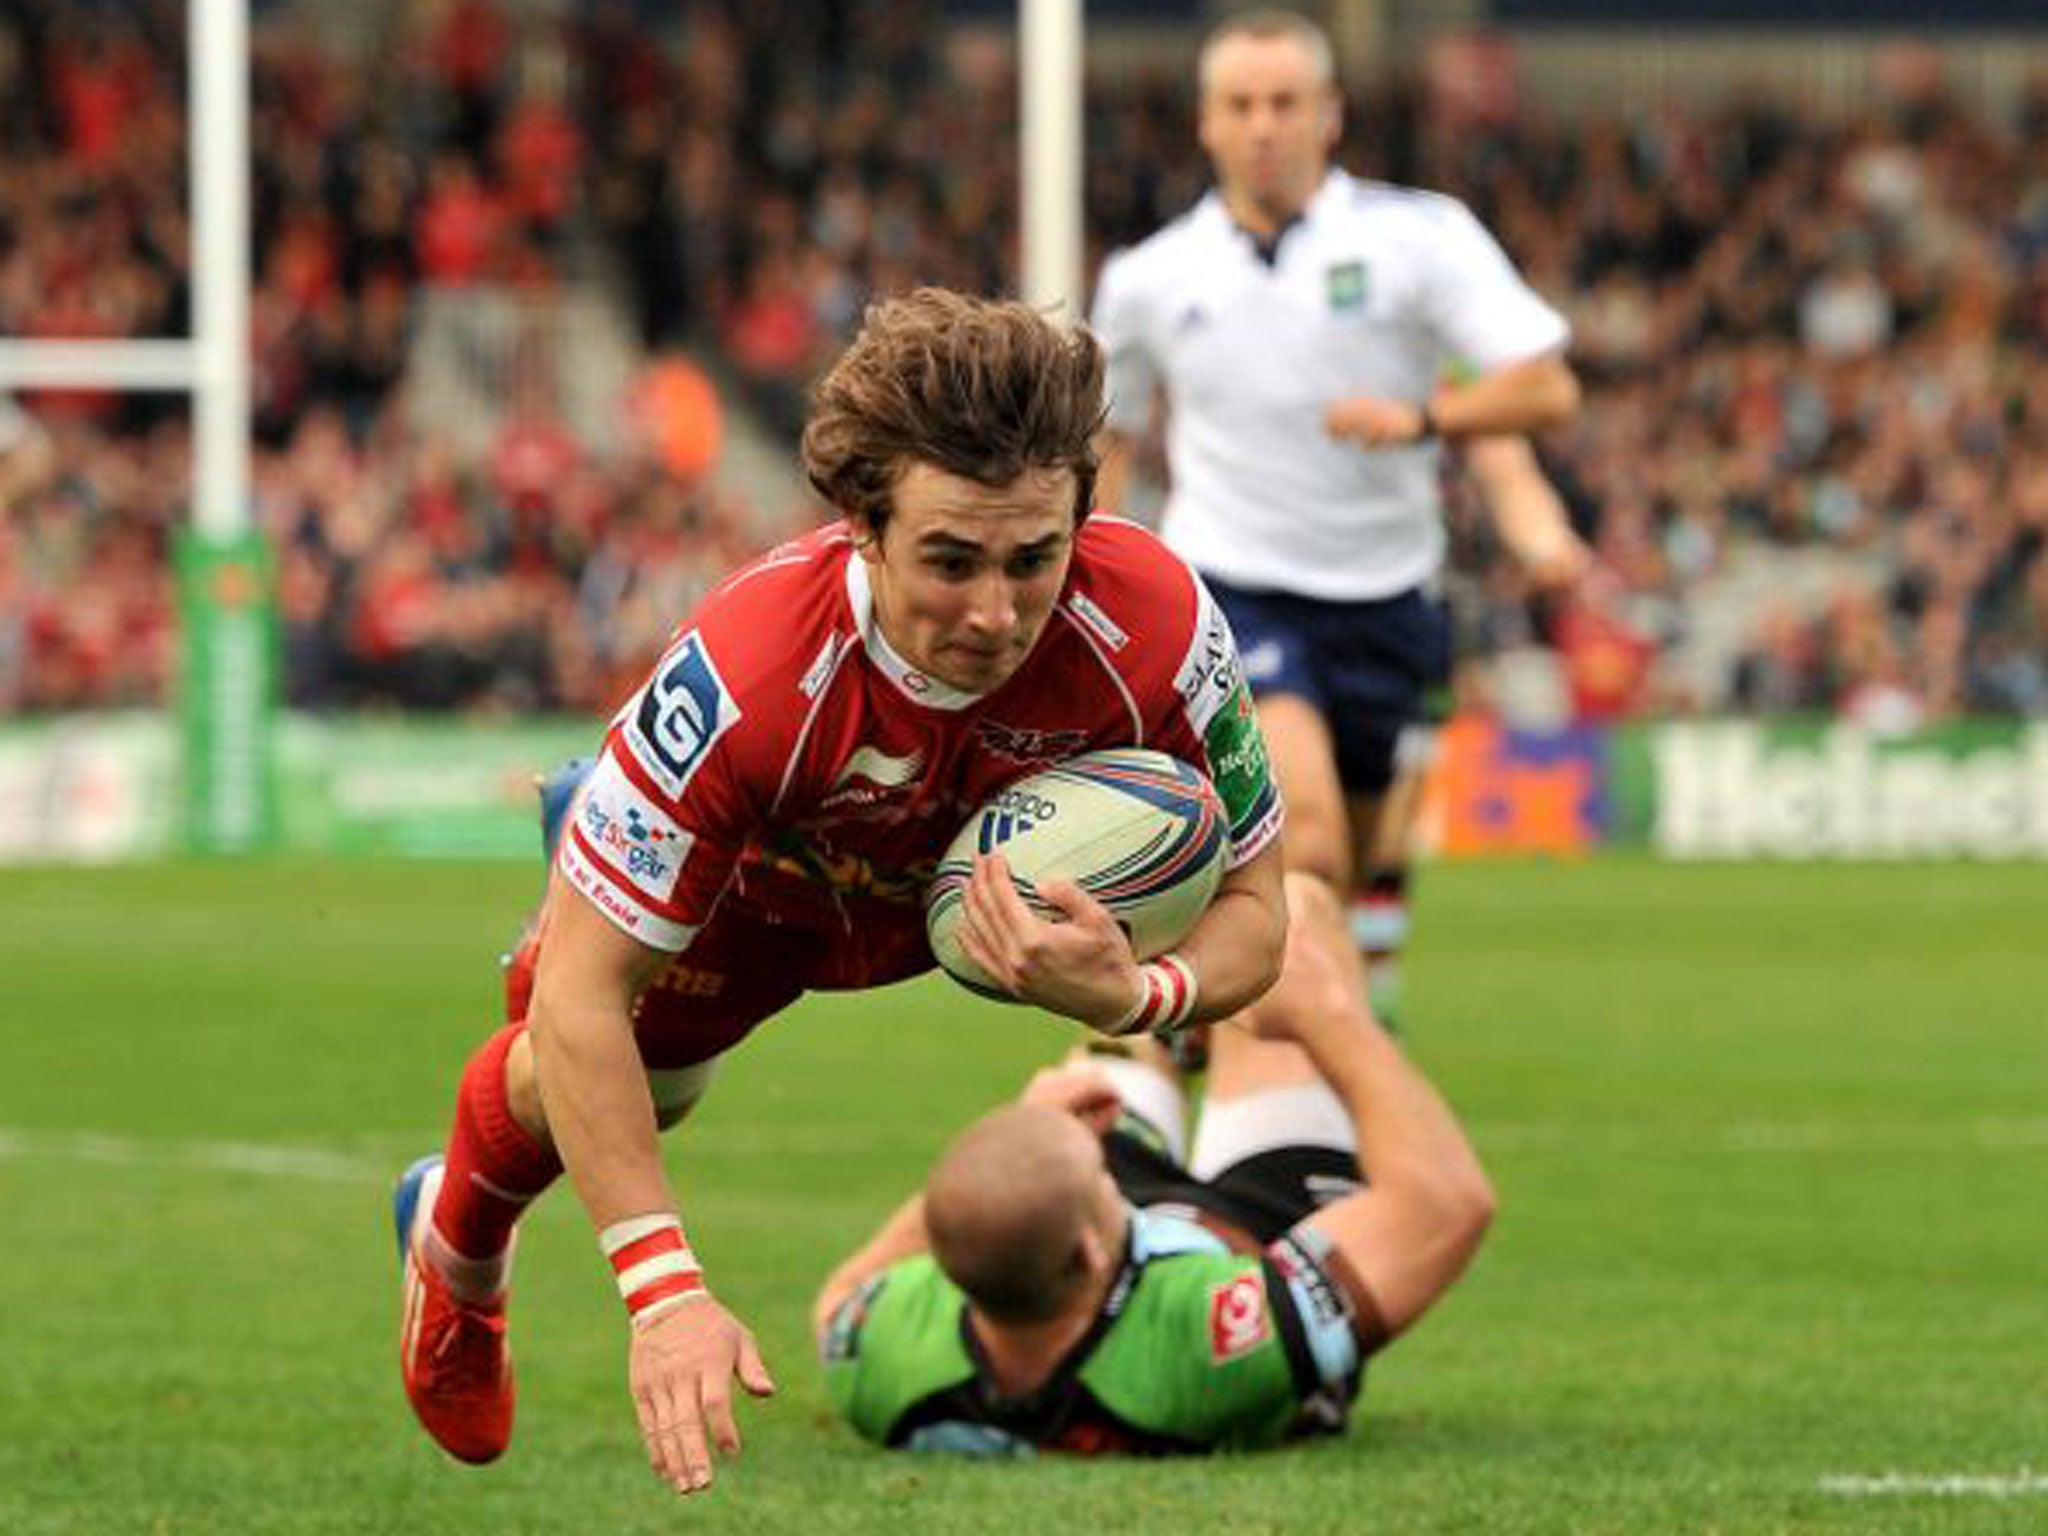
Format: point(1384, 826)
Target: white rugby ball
point(1140, 831)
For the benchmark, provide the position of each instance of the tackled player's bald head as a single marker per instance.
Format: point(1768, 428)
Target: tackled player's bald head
point(1006, 1208)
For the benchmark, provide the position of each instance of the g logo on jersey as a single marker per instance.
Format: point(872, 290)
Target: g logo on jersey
point(683, 709)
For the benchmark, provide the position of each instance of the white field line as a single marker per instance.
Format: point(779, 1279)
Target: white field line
point(2025, 1483)
point(1739, 1139)
point(266, 1159)
point(1762, 1137)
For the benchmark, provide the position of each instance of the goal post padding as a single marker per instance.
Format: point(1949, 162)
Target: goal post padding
point(228, 681)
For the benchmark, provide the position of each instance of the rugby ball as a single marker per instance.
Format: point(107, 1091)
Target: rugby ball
point(1141, 832)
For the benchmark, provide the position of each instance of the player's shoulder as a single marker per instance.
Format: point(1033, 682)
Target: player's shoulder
point(1126, 584)
point(892, 1343)
point(1168, 249)
point(901, 1300)
point(1362, 194)
point(1199, 1346)
point(744, 669)
point(1106, 539)
point(1209, 1310)
point(766, 621)
point(1388, 204)
point(813, 560)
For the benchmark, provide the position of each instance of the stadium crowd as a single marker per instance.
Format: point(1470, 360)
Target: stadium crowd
point(1798, 335)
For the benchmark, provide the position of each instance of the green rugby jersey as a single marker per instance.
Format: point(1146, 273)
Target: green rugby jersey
point(1195, 1349)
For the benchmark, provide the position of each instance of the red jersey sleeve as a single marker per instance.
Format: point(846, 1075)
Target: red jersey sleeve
point(694, 760)
point(1151, 617)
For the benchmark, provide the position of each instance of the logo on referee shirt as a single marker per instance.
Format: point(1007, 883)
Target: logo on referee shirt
point(1346, 280)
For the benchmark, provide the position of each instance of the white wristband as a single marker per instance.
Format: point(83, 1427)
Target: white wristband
point(1166, 1000)
point(655, 1268)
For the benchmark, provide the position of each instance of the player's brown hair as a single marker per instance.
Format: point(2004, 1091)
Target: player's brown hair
point(981, 388)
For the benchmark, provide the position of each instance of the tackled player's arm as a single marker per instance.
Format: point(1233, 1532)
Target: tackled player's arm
point(1400, 1242)
point(902, 1236)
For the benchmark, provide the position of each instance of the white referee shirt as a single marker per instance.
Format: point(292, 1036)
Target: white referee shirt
point(1371, 292)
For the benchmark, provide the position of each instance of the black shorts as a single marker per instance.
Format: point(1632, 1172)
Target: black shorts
point(1262, 1196)
point(1372, 669)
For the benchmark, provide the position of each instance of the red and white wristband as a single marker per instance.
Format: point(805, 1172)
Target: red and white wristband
point(656, 1270)
point(1165, 1003)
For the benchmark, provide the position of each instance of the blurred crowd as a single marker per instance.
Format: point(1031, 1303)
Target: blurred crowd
point(1799, 337)
point(535, 574)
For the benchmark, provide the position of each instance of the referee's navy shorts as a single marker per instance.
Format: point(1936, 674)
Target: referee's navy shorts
point(1369, 668)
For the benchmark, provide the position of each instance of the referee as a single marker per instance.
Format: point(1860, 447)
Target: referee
point(1299, 322)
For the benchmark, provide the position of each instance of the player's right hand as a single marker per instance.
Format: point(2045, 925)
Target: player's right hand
point(1374, 423)
point(681, 1368)
point(1078, 964)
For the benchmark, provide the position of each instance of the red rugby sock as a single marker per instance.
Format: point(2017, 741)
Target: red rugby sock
point(495, 1170)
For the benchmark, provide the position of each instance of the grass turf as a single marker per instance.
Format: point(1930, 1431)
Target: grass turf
point(1770, 1142)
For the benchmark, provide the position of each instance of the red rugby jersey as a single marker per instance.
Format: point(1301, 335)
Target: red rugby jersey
point(782, 756)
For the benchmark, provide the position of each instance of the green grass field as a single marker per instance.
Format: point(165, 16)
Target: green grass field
point(1771, 1142)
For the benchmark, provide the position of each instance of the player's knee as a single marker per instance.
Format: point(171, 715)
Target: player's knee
point(676, 1091)
point(1317, 846)
point(1312, 899)
point(519, 970)
point(522, 1089)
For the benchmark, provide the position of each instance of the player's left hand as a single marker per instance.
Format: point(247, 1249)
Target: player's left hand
point(680, 1369)
point(1078, 964)
point(1374, 423)
point(1559, 565)
point(1077, 1088)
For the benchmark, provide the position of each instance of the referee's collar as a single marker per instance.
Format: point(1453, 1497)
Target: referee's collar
point(1266, 248)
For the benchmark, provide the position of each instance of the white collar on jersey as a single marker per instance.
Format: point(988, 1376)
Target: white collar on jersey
point(1336, 186)
point(918, 687)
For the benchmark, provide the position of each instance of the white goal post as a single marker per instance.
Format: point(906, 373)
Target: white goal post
point(228, 671)
point(1050, 131)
